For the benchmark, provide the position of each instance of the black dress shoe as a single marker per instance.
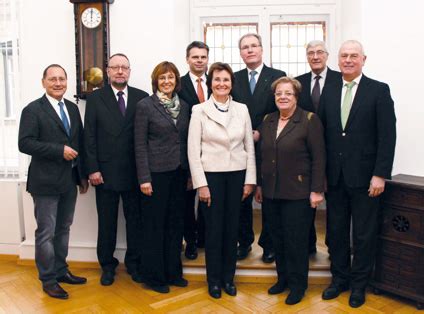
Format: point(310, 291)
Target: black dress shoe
point(180, 282)
point(107, 278)
point(333, 291)
point(278, 288)
point(268, 256)
point(136, 277)
point(159, 288)
point(72, 279)
point(54, 290)
point(357, 298)
point(214, 291)
point(230, 289)
point(242, 252)
point(294, 297)
point(191, 251)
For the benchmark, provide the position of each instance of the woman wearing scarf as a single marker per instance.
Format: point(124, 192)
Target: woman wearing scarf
point(222, 165)
point(160, 135)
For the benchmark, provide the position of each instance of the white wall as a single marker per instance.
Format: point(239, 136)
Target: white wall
point(393, 37)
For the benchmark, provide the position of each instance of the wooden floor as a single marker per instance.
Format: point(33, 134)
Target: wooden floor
point(20, 292)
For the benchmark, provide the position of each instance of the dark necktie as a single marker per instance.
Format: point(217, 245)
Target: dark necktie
point(200, 93)
point(316, 93)
point(121, 102)
point(64, 119)
point(252, 82)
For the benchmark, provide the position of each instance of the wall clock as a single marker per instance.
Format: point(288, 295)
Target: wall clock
point(91, 44)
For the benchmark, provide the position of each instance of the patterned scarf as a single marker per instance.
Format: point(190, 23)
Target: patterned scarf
point(172, 106)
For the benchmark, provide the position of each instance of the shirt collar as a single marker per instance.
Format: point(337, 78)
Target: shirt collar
point(356, 80)
point(258, 69)
point(115, 91)
point(194, 77)
point(323, 74)
point(54, 101)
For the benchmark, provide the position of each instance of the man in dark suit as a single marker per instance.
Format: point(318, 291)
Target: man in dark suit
point(194, 91)
point(50, 131)
point(314, 83)
point(109, 143)
point(253, 87)
point(360, 129)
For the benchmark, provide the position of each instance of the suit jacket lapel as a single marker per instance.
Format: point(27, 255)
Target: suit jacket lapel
point(213, 113)
point(159, 107)
point(73, 117)
point(188, 86)
point(359, 97)
point(131, 105)
point(53, 114)
point(290, 125)
point(244, 84)
point(111, 103)
point(263, 82)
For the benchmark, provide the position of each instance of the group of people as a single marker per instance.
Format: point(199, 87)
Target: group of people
point(228, 137)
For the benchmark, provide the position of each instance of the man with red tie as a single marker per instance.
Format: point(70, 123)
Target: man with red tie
point(194, 91)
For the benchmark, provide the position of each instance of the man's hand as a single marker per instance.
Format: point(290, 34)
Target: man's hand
point(146, 188)
point(205, 195)
point(69, 153)
point(376, 186)
point(96, 178)
point(247, 189)
point(83, 187)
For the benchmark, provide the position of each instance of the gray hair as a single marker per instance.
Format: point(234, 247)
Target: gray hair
point(314, 43)
point(354, 42)
point(257, 36)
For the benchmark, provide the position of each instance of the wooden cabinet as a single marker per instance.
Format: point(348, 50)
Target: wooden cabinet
point(399, 266)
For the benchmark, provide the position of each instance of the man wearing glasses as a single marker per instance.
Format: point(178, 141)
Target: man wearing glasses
point(110, 162)
point(314, 83)
point(252, 87)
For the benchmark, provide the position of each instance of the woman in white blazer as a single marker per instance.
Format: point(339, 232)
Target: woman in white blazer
point(222, 163)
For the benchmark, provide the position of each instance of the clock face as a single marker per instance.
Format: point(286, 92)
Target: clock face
point(91, 17)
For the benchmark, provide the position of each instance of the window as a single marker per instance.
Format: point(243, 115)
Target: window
point(288, 44)
point(11, 162)
point(222, 40)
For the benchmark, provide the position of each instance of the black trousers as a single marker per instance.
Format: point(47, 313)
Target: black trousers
point(289, 222)
point(345, 204)
point(221, 222)
point(246, 235)
point(194, 229)
point(163, 224)
point(313, 232)
point(107, 202)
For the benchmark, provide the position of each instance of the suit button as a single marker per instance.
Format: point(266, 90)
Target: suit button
point(343, 134)
point(273, 161)
point(340, 154)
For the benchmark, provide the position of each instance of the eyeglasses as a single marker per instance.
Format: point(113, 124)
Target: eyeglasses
point(116, 68)
point(319, 53)
point(281, 94)
point(253, 46)
point(55, 79)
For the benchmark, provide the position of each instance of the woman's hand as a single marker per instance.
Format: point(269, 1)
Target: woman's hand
point(204, 195)
point(247, 189)
point(146, 188)
point(258, 194)
point(316, 199)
